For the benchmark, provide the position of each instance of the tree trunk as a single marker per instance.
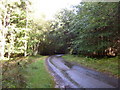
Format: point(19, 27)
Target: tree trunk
point(35, 50)
point(2, 47)
point(3, 32)
point(25, 53)
point(11, 47)
point(1, 40)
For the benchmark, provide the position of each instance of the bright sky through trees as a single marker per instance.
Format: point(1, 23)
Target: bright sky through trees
point(50, 7)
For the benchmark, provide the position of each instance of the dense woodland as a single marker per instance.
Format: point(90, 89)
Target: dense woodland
point(90, 29)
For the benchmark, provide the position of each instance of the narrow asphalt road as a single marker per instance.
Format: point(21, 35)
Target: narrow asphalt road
point(67, 75)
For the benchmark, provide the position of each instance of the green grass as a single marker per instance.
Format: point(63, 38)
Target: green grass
point(30, 73)
point(105, 65)
point(37, 76)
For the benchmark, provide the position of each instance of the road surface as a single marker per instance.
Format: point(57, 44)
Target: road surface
point(67, 75)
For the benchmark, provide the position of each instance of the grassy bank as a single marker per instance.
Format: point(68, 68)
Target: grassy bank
point(37, 76)
point(29, 72)
point(106, 65)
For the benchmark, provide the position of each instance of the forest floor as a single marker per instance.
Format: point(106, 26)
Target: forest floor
point(29, 72)
point(71, 75)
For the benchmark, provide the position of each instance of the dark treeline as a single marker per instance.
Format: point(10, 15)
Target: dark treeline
point(90, 28)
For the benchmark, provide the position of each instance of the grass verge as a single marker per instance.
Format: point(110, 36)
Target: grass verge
point(29, 72)
point(105, 65)
point(36, 74)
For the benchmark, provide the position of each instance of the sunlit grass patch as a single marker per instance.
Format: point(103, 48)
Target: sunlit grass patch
point(106, 65)
point(37, 76)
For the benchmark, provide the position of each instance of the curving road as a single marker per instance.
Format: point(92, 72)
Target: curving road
point(67, 75)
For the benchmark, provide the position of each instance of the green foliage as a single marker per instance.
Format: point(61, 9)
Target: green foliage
point(91, 28)
point(95, 33)
point(87, 29)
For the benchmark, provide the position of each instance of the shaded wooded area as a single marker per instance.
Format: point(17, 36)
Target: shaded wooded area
point(90, 29)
